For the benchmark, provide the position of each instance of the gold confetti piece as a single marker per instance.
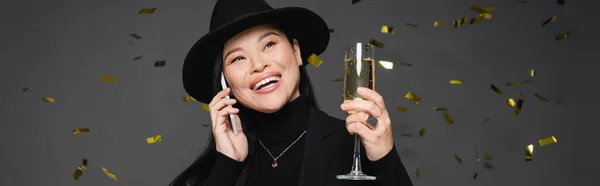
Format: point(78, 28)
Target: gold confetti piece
point(522, 1)
point(386, 65)
point(418, 173)
point(331, 30)
point(337, 80)
point(562, 36)
point(547, 141)
point(160, 63)
point(49, 100)
point(488, 165)
point(376, 43)
point(475, 175)
point(109, 174)
point(315, 60)
point(559, 101)
point(541, 98)
point(561, 2)
point(188, 99)
point(485, 120)
point(440, 109)
point(459, 22)
point(405, 64)
point(402, 109)
point(25, 89)
point(413, 97)
point(78, 173)
point(355, 1)
point(516, 84)
point(448, 118)
point(84, 164)
point(479, 10)
point(489, 9)
point(439, 23)
point(531, 72)
point(549, 20)
point(456, 81)
point(147, 11)
point(154, 139)
point(80, 130)
point(488, 157)
point(518, 108)
point(406, 134)
point(205, 125)
point(422, 132)
point(137, 58)
point(476, 19)
point(412, 25)
point(205, 107)
point(458, 159)
point(135, 36)
point(388, 29)
point(108, 79)
point(529, 152)
point(511, 102)
point(496, 89)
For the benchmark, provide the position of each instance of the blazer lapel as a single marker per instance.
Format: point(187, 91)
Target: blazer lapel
point(318, 148)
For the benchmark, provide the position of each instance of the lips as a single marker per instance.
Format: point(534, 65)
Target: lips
point(264, 79)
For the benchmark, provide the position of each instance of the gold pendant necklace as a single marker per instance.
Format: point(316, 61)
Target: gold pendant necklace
point(274, 164)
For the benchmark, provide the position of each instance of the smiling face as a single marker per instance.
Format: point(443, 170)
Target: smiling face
point(262, 68)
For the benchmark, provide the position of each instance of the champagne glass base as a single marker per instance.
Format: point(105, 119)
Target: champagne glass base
point(355, 176)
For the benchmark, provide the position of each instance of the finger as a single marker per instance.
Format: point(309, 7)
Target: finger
point(219, 96)
point(363, 106)
point(371, 95)
point(363, 131)
point(223, 115)
point(359, 117)
point(219, 105)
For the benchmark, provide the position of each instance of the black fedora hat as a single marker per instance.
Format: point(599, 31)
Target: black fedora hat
point(230, 17)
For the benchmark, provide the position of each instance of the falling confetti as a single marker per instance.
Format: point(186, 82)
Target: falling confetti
point(529, 152)
point(154, 139)
point(475, 175)
point(561, 36)
point(418, 173)
point(138, 37)
point(111, 79)
point(458, 159)
point(337, 80)
point(84, 164)
point(376, 43)
point(109, 174)
point(315, 60)
point(205, 107)
point(422, 132)
point(459, 22)
point(439, 23)
point(511, 102)
point(147, 11)
point(402, 109)
point(80, 130)
point(412, 25)
point(516, 84)
point(355, 1)
point(78, 173)
point(488, 157)
point(559, 101)
point(456, 81)
point(531, 72)
point(485, 12)
point(476, 19)
point(547, 141)
point(137, 58)
point(561, 2)
point(541, 98)
point(49, 100)
point(331, 30)
point(488, 165)
point(188, 99)
point(549, 20)
point(413, 97)
point(160, 63)
point(485, 120)
point(386, 65)
point(496, 89)
point(25, 89)
point(448, 118)
point(388, 30)
point(440, 109)
point(518, 108)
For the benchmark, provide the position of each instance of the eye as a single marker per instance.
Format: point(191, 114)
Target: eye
point(237, 58)
point(268, 45)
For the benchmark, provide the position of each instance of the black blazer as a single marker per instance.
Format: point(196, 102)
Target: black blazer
point(328, 152)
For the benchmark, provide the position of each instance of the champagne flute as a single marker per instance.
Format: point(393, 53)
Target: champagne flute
point(359, 71)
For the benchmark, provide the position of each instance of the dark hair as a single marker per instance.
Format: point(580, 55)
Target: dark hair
point(202, 166)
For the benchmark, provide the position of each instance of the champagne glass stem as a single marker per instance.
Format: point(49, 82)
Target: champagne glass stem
point(356, 167)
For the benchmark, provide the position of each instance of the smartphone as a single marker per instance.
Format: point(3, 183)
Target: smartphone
point(231, 117)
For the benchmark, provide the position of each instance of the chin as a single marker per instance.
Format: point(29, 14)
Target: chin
point(269, 105)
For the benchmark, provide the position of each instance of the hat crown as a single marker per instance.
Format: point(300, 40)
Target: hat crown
point(226, 11)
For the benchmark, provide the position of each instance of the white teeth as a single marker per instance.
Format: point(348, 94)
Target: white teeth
point(265, 81)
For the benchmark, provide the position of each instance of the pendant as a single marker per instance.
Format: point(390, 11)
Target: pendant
point(274, 164)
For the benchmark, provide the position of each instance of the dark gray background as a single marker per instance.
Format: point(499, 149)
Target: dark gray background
point(60, 48)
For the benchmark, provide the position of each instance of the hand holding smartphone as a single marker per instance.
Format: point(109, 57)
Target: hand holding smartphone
point(231, 117)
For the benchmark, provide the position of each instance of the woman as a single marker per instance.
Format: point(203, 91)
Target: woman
point(283, 139)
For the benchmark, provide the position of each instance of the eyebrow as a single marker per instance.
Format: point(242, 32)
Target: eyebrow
point(260, 38)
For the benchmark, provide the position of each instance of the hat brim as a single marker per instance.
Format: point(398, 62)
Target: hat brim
point(307, 27)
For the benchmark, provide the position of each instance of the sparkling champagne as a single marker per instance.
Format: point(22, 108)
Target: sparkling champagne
point(357, 74)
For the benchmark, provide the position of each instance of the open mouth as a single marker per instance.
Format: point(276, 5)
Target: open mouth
point(267, 82)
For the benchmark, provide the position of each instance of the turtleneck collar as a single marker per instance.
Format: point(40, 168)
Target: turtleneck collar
point(287, 123)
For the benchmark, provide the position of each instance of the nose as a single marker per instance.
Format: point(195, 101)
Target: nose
point(259, 65)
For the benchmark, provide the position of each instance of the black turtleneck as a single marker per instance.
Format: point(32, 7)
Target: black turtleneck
point(277, 131)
